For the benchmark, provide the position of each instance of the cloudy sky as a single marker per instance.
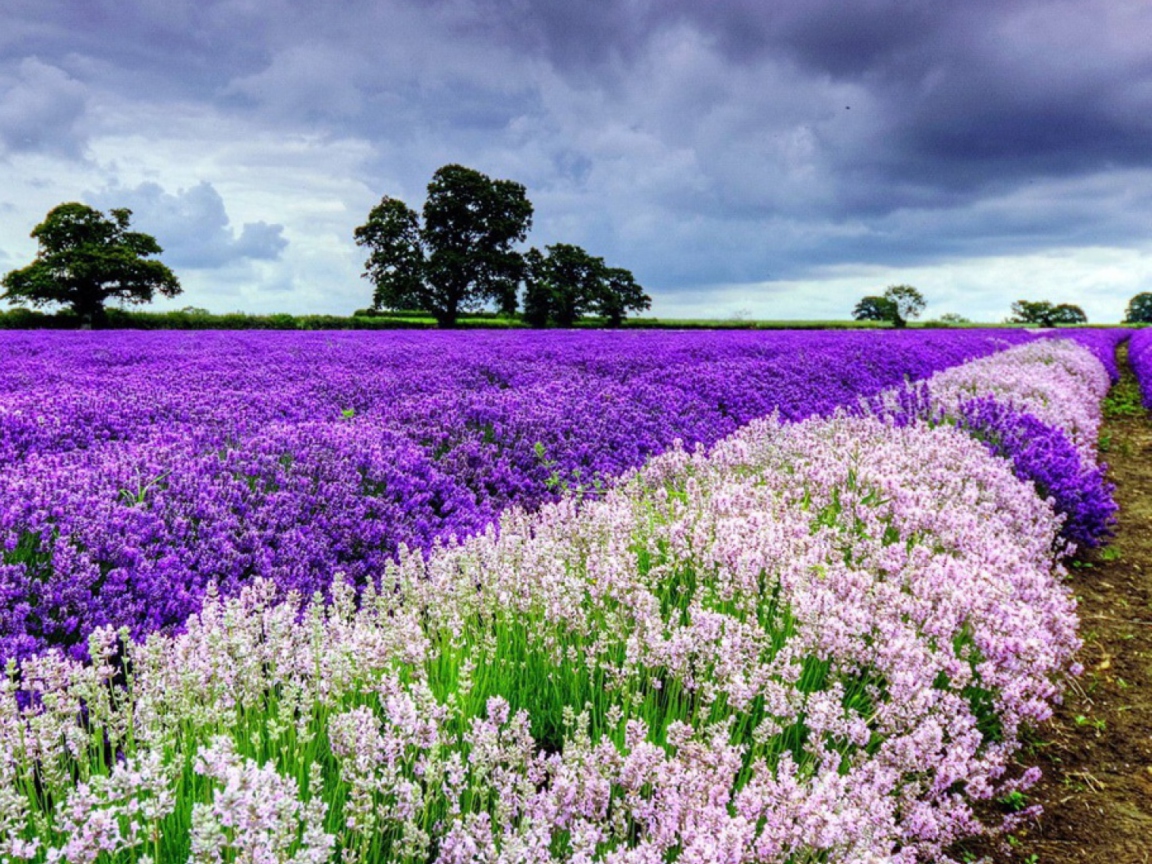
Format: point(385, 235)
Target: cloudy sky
point(743, 158)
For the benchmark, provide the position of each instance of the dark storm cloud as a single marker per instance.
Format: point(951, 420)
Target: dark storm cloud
point(147, 48)
point(958, 94)
point(967, 96)
point(693, 141)
point(192, 225)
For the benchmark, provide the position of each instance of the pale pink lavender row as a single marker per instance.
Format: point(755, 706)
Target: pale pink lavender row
point(1041, 413)
point(135, 468)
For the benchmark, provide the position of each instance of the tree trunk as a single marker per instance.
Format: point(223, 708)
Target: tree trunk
point(91, 315)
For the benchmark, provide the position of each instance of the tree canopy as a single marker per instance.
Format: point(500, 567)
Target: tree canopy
point(908, 301)
point(622, 294)
point(897, 304)
point(1139, 309)
point(459, 256)
point(86, 259)
point(568, 283)
point(875, 308)
point(1044, 314)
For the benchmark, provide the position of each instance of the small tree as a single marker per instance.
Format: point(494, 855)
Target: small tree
point(873, 308)
point(1043, 314)
point(568, 283)
point(86, 259)
point(1139, 309)
point(898, 303)
point(462, 254)
point(908, 302)
point(620, 294)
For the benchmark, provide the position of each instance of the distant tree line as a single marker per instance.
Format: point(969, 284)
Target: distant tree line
point(456, 258)
point(1044, 314)
point(900, 302)
point(458, 255)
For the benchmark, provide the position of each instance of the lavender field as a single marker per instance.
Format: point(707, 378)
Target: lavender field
point(1140, 355)
point(552, 596)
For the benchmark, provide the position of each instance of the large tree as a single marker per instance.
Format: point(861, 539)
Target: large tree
point(86, 259)
point(1139, 309)
point(568, 283)
point(459, 256)
point(1045, 314)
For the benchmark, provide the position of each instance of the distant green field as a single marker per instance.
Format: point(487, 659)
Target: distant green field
point(198, 319)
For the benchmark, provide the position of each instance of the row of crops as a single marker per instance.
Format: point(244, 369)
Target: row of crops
point(136, 472)
point(1140, 355)
point(752, 597)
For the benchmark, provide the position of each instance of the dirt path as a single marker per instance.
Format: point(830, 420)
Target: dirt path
point(1097, 752)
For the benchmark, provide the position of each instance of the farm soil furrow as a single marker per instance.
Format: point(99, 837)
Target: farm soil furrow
point(1097, 752)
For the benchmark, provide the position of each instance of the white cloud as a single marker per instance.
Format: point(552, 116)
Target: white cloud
point(192, 225)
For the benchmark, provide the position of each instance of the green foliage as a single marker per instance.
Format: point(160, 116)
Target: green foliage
point(621, 294)
point(1014, 801)
point(1124, 399)
point(568, 284)
point(459, 256)
point(897, 304)
point(1110, 554)
point(873, 308)
point(1044, 314)
point(909, 303)
point(86, 259)
point(396, 260)
point(1139, 309)
point(574, 485)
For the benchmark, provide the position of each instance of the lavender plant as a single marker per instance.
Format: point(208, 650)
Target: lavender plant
point(137, 471)
point(816, 641)
point(993, 400)
point(1140, 356)
point(1044, 455)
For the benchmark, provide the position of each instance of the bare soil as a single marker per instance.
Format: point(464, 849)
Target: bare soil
point(1096, 753)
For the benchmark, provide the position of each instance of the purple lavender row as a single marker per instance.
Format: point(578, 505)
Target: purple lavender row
point(135, 470)
point(1140, 356)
